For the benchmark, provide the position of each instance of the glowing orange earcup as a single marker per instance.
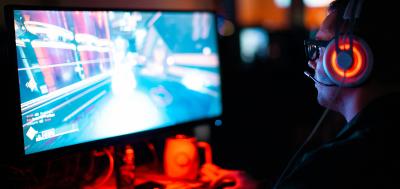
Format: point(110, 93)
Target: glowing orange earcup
point(345, 68)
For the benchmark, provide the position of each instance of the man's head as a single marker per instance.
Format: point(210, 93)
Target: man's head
point(372, 26)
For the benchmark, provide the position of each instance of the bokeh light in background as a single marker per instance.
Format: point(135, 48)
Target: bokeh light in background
point(264, 13)
point(275, 15)
point(225, 27)
point(253, 44)
point(283, 3)
point(317, 3)
point(315, 12)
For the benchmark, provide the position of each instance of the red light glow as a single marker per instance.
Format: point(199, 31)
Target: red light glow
point(355, 69)
point(181, 157)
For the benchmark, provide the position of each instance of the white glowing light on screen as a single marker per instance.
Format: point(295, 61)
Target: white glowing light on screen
point(119, 42)
point(86, 38)
point(206, 51)
point(170, 60)
point(120, 47)
point(193, 81)
point(159, 54)
point(16, 26)
point(49, 30)
point(154, 19)
point(32, 85)
point(128, 114)
point(317, 3)
point(52, 44)
point(111, 15)
point(44, 89)
point(66, 76)
point(140, 36)
point(283, 3)
point(123, 81)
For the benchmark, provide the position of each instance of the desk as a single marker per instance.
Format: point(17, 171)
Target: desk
point(144, 174)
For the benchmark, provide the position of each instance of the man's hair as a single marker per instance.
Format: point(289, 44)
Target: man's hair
point(377, 26)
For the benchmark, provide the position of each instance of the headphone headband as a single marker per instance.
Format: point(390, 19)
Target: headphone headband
point(348, 59)
point(353, 10)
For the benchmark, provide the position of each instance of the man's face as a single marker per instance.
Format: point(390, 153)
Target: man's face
point(326, 32)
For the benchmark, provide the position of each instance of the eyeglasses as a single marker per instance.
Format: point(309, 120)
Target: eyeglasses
point(312, 48)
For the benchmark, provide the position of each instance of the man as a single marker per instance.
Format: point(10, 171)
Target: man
point(364, 153)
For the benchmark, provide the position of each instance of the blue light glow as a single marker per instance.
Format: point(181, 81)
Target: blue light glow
point(283, 3)
point(253, 44)
point(104, 74)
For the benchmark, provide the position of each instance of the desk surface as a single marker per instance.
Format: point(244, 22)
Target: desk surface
point(144, 174)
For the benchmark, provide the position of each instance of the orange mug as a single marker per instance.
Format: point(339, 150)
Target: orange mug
point(181, 156)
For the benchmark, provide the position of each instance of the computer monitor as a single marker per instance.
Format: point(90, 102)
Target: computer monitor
point(91, 75)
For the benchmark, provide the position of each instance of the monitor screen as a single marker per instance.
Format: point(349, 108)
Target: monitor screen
point(86, 75)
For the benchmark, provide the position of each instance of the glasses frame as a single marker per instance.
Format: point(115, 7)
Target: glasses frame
point(312, 48)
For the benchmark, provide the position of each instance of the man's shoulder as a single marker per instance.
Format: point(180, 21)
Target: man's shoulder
point(351, 163)
point(362, 144)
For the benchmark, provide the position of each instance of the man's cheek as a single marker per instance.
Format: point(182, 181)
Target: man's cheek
point(321, 75)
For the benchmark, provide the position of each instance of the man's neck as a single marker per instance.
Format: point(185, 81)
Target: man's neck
point(355, 100)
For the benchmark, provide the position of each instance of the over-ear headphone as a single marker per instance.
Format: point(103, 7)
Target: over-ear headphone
point(348, 60)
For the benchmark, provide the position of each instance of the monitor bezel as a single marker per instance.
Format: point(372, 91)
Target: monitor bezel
point(170, 130)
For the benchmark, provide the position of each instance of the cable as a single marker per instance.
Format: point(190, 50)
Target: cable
point(88, 176)
point(316, 127)
point(156, 159)
point(78, 161)
point(110, 167)
point(207, 151)
point(301, 147)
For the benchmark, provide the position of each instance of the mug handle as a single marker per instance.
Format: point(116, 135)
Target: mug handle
point(207, 151)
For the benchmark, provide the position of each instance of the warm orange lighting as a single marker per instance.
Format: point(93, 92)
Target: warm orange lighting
point(355, 69)
point(313, 17)
point(262, 12)
point(207, 151)
point(345, 46)
point(181, 157)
